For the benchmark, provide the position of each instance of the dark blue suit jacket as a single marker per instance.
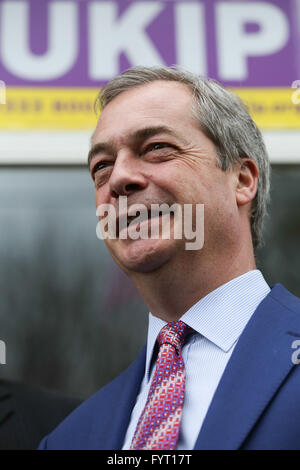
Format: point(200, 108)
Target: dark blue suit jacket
point(256, 404)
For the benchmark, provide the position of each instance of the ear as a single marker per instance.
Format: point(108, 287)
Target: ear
point(247, 178)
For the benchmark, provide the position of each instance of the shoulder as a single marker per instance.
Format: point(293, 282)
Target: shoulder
point(285, 298)
point(285, 306)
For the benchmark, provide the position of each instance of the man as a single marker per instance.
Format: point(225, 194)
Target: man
point(217, 371)
point(27, 413)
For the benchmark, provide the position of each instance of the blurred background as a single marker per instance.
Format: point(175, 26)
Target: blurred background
point(66, 310)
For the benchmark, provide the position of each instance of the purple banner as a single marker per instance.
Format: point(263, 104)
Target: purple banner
point(85, 43)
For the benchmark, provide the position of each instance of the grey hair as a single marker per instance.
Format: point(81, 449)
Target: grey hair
point(221, 115)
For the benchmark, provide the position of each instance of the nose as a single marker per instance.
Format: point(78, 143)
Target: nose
point(126, 176)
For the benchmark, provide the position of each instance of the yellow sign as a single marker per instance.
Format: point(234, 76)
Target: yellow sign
point(48, 108)
point(73, 108)
point(271, 108)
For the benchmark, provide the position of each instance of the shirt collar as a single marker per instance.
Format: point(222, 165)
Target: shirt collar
point(221, 315)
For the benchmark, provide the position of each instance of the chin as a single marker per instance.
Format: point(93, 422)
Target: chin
point(143, 256)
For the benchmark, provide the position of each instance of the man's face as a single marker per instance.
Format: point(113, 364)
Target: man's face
point(148, 147)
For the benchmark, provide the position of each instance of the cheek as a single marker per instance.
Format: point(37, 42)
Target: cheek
point(97, 198)
point(101, 196)
point(221, 213)
point(175, 177)
point(98, 202)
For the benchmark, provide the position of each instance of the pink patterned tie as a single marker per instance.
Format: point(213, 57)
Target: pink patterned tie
point(159, 423)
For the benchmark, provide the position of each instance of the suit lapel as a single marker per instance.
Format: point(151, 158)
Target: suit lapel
point(260, 362)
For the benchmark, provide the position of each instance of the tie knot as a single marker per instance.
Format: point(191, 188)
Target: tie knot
point(174, 333)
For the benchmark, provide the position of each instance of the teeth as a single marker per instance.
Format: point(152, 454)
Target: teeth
point(130, 218)
point(150, 215)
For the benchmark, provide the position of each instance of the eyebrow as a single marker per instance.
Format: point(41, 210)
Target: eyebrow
point(138, 136)
point(101, 147)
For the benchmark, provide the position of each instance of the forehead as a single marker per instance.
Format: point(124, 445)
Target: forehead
point(153, 104)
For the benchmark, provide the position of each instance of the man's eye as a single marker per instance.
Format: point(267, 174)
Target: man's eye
point(99, 166)
point(158, 146)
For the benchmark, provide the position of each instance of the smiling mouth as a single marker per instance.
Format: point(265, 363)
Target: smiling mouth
point(124, 221)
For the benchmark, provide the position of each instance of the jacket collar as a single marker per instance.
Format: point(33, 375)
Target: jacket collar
point(260, 362)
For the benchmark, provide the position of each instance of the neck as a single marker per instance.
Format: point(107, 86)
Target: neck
point(172, 289)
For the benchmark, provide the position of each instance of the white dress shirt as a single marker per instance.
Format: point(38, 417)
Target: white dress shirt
point(218, 320)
